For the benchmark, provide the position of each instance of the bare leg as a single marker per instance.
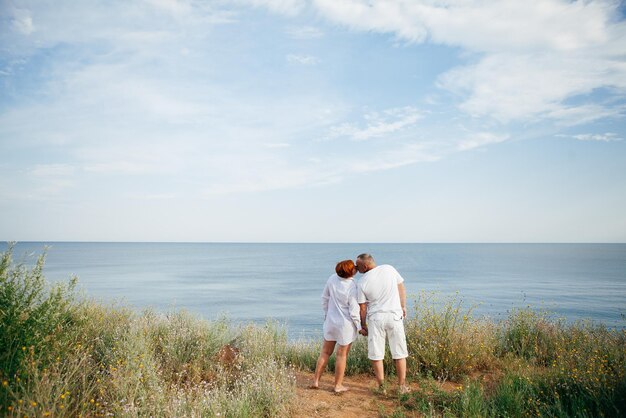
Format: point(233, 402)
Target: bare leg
point(341, 359)
point(401, 372)
point(327, 350)
point(379, 371)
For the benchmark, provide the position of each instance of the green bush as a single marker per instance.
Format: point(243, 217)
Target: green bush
point(530, 335)
point(33, 317)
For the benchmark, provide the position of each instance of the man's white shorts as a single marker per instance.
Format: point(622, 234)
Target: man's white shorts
point(389, 325)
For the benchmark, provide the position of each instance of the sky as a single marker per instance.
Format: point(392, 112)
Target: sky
point(313, 121)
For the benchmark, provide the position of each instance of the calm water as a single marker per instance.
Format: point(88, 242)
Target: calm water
point(252, 282)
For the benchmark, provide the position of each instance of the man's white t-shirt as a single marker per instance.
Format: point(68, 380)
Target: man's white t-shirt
point(379, 288)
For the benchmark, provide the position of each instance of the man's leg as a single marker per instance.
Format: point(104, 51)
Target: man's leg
point(401, 371)
point(399, 353)
point(379, 371)
point(376, 348)
point(322, 360)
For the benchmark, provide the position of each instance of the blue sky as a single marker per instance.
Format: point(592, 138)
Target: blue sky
point(313, 121)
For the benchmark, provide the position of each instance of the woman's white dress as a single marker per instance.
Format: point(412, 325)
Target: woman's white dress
point(342, 321)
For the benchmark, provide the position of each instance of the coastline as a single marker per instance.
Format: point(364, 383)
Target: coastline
point(64, 356)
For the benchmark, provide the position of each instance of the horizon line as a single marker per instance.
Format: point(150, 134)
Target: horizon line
point(312, 242)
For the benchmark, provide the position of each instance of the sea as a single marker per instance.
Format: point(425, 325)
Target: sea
point(256, 283)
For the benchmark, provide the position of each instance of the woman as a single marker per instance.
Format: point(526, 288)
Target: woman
point(341, 324)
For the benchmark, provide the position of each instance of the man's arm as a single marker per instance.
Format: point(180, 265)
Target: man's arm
point(363, 313)
point(402, 292)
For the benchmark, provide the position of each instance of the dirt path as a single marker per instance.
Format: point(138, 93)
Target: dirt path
point(359, 401)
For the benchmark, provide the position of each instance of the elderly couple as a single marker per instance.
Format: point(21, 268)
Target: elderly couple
point(380, 298)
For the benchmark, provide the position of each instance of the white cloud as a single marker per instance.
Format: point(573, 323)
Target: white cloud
point(175, 7)
point(49, 180)
point(120, 167)
point(528, 87)
point(302, 59)
point(23, 22)
point(379, 16)
point(265, 173)
point(393, 158)
point(269, 173)
point(304, 32)
point(285, 7)
point(379, 124)
point(277, 145)
point(582, 114)
point(606, 137)
point(20, 18)
point(117, 26)
point(52, 170)
point(481, 139)
point(148, 196)
point(530, 57)
point(478, 25)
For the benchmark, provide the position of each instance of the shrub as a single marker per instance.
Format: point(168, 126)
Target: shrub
point(529, 334)
point(32, 317)
point(445, 341)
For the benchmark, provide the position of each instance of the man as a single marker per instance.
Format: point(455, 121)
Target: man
point(382, 301)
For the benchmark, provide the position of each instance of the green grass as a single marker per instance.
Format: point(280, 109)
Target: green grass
point(62, 354)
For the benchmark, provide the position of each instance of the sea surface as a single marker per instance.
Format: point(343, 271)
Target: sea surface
point(255, 282)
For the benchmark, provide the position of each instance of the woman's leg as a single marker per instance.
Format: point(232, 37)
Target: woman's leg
point(327, 350)
point(341, 359)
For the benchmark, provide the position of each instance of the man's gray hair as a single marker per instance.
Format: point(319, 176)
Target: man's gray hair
point(365, 257)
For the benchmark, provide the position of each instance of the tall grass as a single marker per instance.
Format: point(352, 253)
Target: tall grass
point(529, 364)
point(66, 356)
point(514, 395)
point(446, 341)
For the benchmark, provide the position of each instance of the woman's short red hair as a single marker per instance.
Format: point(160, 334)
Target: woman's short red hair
point(345, 269)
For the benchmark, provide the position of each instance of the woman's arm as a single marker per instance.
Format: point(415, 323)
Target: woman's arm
point(325, 298)
point(353, 306)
